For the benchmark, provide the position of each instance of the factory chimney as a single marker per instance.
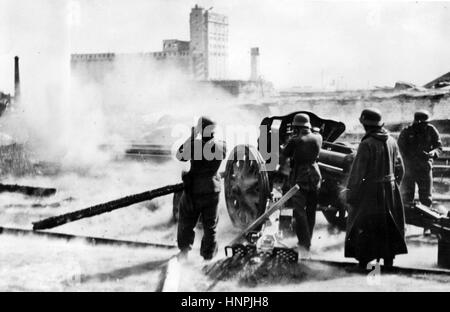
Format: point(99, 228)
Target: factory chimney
point(16, 79)
point(254, 70)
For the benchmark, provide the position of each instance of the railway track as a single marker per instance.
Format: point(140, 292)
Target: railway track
point(353, 266)
point(87, 239)
point(222, 263)
point(222, 269)
point(170, 268)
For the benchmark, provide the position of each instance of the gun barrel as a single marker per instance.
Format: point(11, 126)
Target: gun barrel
point(335, 159)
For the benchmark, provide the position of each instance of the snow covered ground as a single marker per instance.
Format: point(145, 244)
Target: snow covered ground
point(43, 264)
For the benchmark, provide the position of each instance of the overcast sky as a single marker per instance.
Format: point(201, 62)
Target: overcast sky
point(302, 43)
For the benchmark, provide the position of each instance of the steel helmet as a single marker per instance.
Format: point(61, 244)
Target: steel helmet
point(203, 123)
point(371, 117)
point(421, 116)
point(301, 120)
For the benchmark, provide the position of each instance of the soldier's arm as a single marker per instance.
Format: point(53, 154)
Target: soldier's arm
point(222, 149)
point(358, 173)
point(436, 143)
point(288, 150)
point(181, 156)
point(320, 141)
point(399, 168)
point(402, 144)
point(224, 146)
point(184, 152)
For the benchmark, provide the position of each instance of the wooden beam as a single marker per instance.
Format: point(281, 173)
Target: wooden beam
point(266, 214)
point(105, 207)
point(27, 190)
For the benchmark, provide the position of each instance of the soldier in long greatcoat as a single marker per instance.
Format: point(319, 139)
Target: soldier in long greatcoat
point(376, 225)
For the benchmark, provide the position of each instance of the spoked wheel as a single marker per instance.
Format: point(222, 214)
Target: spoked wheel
point(246, 185)
point(175, 205)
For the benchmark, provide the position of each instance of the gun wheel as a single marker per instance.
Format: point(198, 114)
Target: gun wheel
point(246, 185)
point(175, 205)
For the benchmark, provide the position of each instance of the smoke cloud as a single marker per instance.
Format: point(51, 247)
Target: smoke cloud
point(65, 115)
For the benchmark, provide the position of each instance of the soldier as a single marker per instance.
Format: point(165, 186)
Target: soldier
point(375, 226)
point(419, 145)
point(303, 149)
point(201, 188)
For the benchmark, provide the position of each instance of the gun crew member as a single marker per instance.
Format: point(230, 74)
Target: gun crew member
point(201, 188)
point(419, 145)
point(375, 226)
point(303, 149)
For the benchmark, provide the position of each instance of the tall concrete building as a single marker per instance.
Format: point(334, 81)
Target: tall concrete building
point(209, 44)
point(197, 44)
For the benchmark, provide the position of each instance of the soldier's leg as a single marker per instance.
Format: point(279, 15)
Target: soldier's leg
point(209, 209)
point(298, 202)
point(408, 187)
point(311, 207)
point(188, 216)
point(425, 184)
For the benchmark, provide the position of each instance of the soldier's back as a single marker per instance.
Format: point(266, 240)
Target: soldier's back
point(307, 148)
point(204, 169)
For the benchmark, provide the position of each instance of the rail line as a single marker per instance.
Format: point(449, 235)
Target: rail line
point(88, 239)
point(353, 266)
point(171, 271)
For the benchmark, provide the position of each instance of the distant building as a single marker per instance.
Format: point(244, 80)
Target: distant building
point(204, 57)
point(174, 45)
point(209, 44)
point(5, 100)
point(93, 65)
point(254, 69)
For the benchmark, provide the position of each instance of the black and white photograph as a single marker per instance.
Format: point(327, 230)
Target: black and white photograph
point(212, 147)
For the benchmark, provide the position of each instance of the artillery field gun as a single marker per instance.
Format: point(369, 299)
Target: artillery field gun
point(250, 189)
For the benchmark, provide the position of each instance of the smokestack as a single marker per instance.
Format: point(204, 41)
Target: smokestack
point(254, 71)
point(16, 79)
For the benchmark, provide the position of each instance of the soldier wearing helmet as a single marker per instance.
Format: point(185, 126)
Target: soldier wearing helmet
point(201, 188)
point(303, 149)
point(419, 145)
point(375, 226)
